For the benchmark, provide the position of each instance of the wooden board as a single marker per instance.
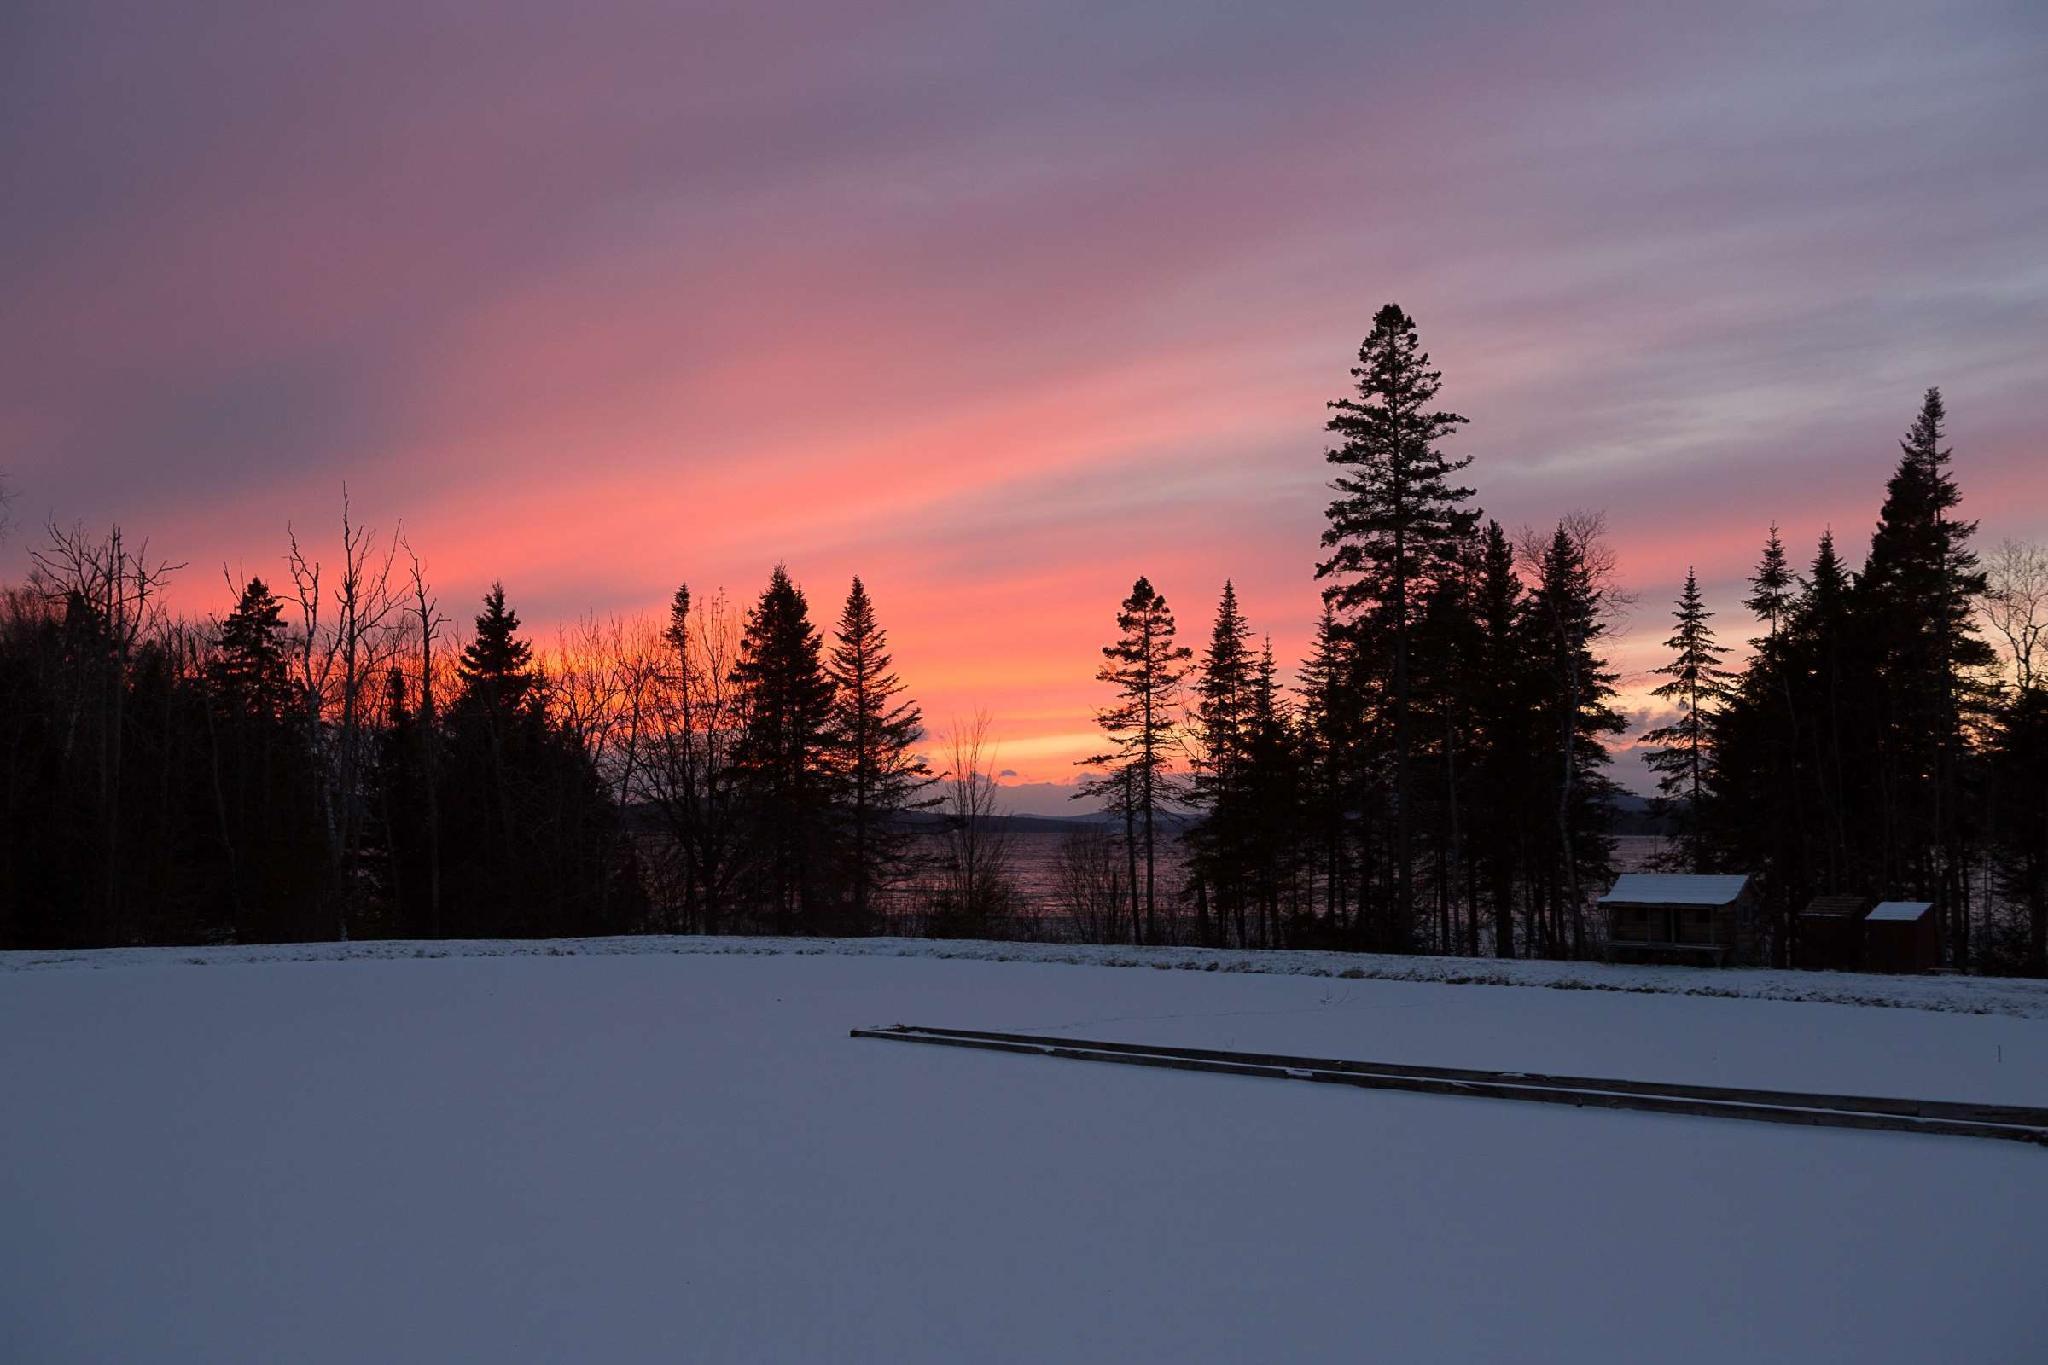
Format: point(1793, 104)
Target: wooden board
point(1952, 1118)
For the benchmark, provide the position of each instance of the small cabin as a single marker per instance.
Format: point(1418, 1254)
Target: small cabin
point(1901, 936)
point(1829, 935)
point(1680, 917)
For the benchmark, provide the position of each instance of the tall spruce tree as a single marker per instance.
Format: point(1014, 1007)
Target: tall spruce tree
point(262, 800)
point(1136, 774)
point(1822, 640)
point(872, 739)
point(1789, 785)
point(783, 757)
point(1575, 693)
point(1696, 684)
point(1504, 726)
point(1394, 530)
point(1918, 594)
point(1224, 719)
point(530, 839)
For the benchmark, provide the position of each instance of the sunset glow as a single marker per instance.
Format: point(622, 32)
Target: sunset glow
point(1001, 311)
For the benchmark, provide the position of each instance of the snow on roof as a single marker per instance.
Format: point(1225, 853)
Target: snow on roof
point(1899, 910)
point(1675, 888)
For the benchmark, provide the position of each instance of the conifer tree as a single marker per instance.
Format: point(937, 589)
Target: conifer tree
point(1503, 700)
point(1442, 717)
point(258, 769)
point(1146, 667)
point(783, 757)
point(1696, 683)
point(1225, 702)
point(496, 666)
point(1918, 593)
point(1575, 702)
point(1395, 528)
point(873, 737)
point(1789, 785)
point(249, 671)
point(1224, 695)
point(530, 840)
point(1821, 630)
point(1771, 587)
point(1273, 792)
point(1331, 725)
point(495, 732)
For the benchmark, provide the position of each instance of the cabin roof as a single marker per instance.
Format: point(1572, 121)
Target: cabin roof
point(1675, 888)
point(1899, 910)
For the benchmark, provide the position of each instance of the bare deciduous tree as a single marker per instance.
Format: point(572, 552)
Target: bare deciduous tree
point(337, 664)
point(1089, 881)
point(686, 769)
point(424, 620)
point(2016, 605)
point(122, 590)
point(975, 889)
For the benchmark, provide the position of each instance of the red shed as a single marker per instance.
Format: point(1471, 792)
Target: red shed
point(1830, 933)
point(1900, 936)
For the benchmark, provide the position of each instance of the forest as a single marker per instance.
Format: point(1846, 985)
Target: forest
point(334, 757)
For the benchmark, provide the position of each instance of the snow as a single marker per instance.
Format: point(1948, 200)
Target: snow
point(1899, 910)
point(1674, 888)
point(625, 1151)
point(2025, 998)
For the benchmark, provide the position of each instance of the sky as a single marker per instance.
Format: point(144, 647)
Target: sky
point(1000, 306)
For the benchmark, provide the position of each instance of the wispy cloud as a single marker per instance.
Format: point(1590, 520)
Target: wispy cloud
point(1002, 308)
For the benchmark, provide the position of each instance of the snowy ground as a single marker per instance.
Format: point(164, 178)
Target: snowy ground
point(2027, 999)
point(621, 1155)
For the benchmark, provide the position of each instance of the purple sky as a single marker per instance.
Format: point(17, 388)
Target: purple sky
point(1003, 305)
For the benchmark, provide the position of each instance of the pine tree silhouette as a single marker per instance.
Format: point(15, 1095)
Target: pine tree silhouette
point(1146, 667)
point(1395, 527)
point(873, 734)
point(249, 671)
point(1696, 685)
point(782, 754)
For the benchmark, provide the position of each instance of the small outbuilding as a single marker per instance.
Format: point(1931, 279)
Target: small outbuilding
point(1829, 936)
point(1901, 936)
point(1680, 917)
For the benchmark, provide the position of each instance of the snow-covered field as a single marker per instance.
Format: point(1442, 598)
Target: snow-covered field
point(2027, 999)
point(602, 1152)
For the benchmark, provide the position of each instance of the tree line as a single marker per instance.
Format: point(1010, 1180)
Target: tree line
point(324, 762)
point(1438, 779)
point(327, 761)
point(1875, 742)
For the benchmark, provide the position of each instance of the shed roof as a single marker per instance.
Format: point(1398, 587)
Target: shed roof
point(1899, 910)
point(1837, 907)
point(1674, 888)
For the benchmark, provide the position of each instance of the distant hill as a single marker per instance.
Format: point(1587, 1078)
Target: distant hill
point(1628, 813)
point(1168, 821)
